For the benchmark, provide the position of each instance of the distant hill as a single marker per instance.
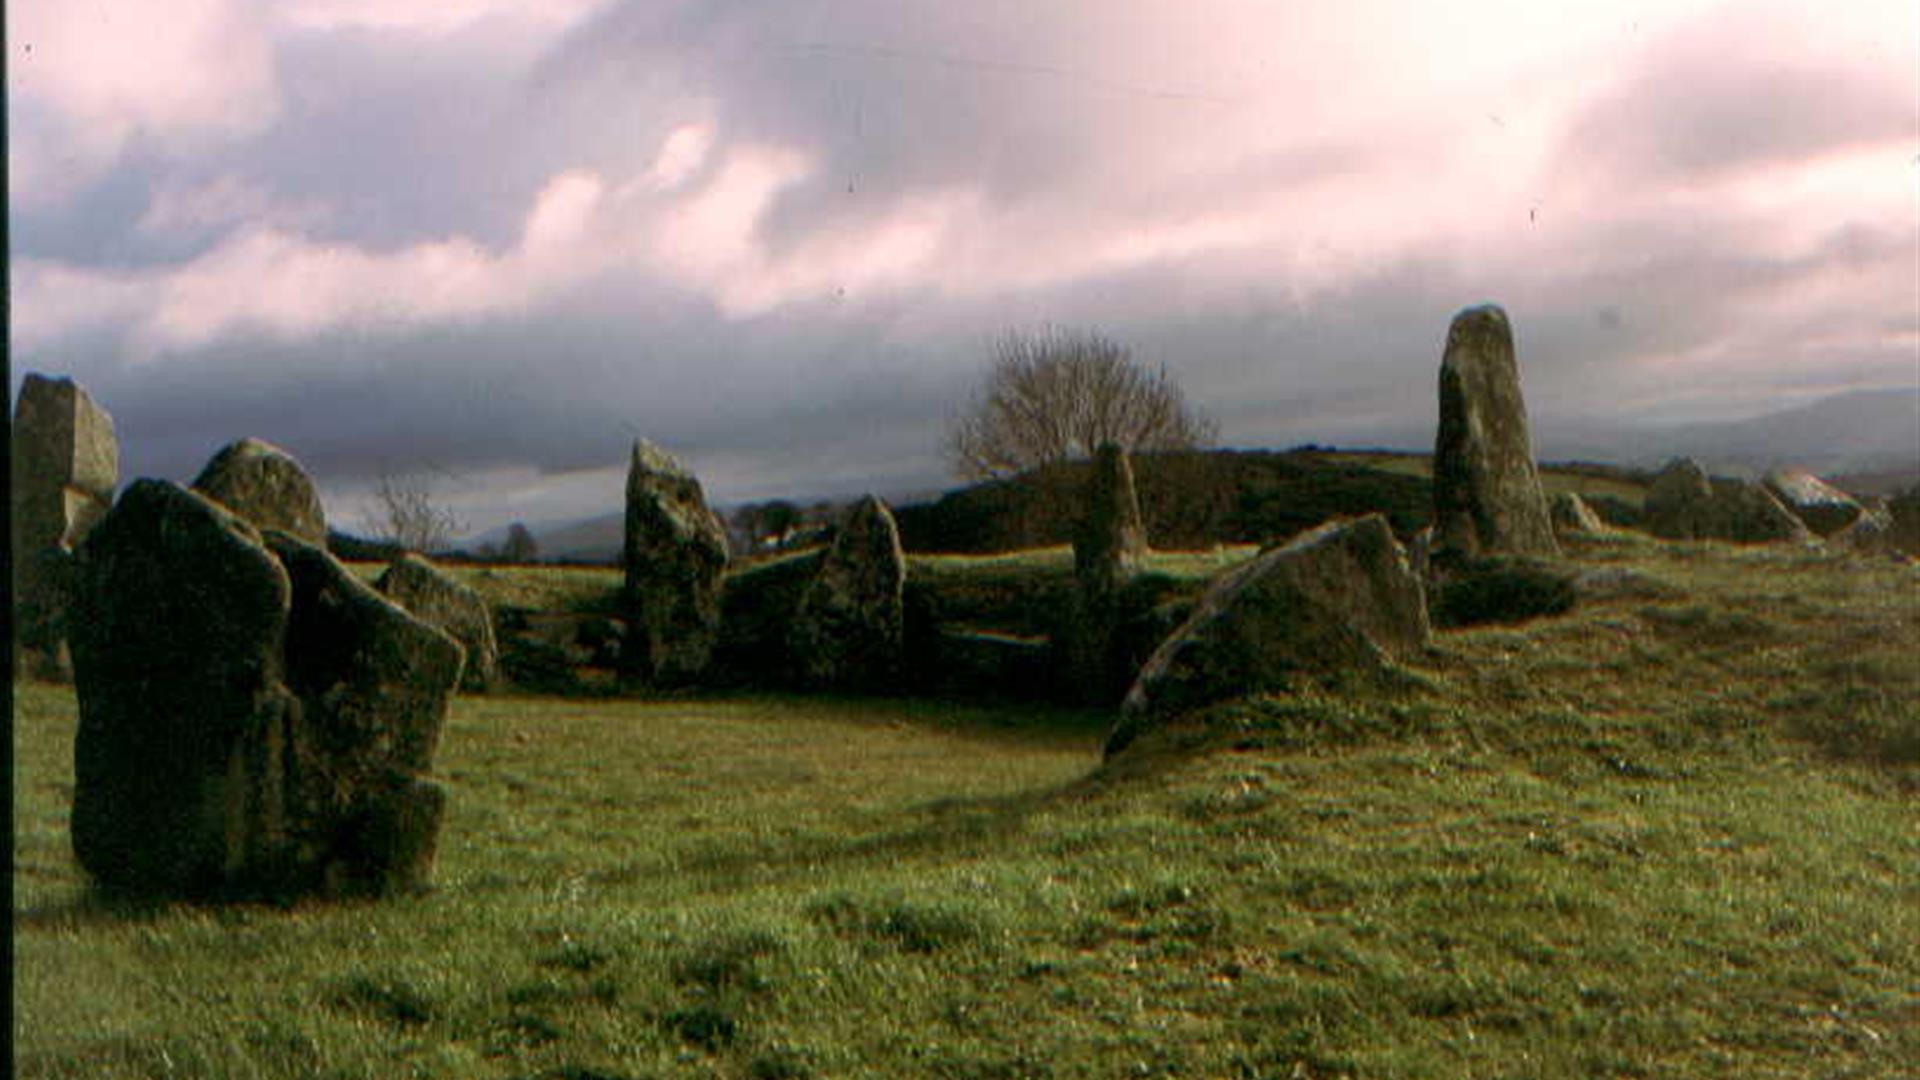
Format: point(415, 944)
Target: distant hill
point(1862, 432)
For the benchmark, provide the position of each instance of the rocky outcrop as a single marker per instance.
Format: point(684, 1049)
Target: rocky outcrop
point(435, 598)
point(1684, 503)
point(675, 554)
point(253, 719)
point(266, 486)
point(1825, 509)
point(1486, 490)
point(66, 463)
point(848, 630)
point(1338, 600)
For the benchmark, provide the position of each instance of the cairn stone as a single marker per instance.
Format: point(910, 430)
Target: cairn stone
point(1571, 514)
point(1822, 507)
point(1337, 600)
point(675, 554)
point(66, 464)
point(1486, 489)
point(1108, 546)
point(435, 598)
point(265, 485)
point(848, 629)
point(253, 719)
point(1684, 503)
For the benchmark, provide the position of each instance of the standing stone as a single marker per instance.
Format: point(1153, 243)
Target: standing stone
point(1486, 489)
point(675, 554)
point(1108, 545)
point(1684, 503)
point(848, 629)
point(253, 719)
point(374, 683)
point(1822, 507)
point(1337, 599)
point(265, 485)
point(1678, 501)
point(66, 464)
point(1571, 514)
point(435, 598)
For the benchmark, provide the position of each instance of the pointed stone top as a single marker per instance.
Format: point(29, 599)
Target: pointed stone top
point(649, 457)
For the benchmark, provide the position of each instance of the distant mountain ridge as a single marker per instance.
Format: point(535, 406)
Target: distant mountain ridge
point(1863, 431)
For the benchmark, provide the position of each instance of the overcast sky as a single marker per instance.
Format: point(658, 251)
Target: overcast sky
point(497, 239)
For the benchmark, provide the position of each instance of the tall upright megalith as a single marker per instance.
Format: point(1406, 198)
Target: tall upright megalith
point(849, 628)
point(1487, 497)
point(66, 463)
point(254, 720)
point(1109, 543)
point(675, 554)
point(266, 486)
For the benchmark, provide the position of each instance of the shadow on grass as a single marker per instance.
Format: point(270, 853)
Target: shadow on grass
point(951, 827)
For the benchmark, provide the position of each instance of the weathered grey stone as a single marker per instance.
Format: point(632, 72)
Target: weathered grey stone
point(1677, 504)
point(1108, 545)
point(435, 598)
point(1572, 514)
point(253, 719)
point(1872, 533)
point(265, 485)
point(1825, 509)
point(65, 465)
point(1338, 599)
point(1486, 489)
point(1903, 513)
point(847, 631)
point(374, 683)
point(1683, 503)
point(675, 554)
point(178, 640)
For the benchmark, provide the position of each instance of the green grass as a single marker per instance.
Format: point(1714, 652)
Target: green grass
point(1553, 481)
point(1673, 834)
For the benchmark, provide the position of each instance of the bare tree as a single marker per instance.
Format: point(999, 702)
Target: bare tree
point(406, 513)
point(1058, 394)
point(520, 547)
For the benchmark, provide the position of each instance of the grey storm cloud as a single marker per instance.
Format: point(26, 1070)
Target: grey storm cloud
point(1713, 100)
point(1059, 133)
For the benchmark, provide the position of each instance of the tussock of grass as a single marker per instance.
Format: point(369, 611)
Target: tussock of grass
point(1667, 834)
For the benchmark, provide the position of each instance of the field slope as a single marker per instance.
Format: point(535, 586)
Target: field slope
point(1675, 833)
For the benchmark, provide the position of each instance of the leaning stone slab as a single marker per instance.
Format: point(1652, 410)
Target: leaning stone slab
point(265, 485)
point(1338, 599)
point(436, 599)
point(848, 629)
point(1486, 490)
point(675, 554)
point(65, 465)
point(1571, 514)
point(1824, 508)
point(253, 719)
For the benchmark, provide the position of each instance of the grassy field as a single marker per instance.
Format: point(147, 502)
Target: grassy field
point(1552, 480)
point(1673, 834)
